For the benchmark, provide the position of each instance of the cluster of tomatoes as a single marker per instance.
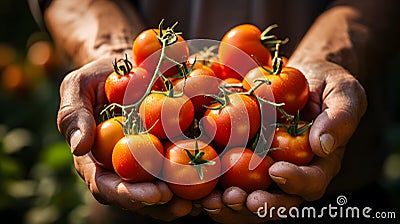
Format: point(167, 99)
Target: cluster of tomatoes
point(204, 120)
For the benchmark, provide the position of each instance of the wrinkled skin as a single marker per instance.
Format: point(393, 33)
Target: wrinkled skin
point(82, 96)
point(337, 102)
point(340, 95)
point(342, 98)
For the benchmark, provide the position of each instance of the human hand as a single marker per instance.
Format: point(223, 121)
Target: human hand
point(82, 98)
point(336, 104)
point(152, 199)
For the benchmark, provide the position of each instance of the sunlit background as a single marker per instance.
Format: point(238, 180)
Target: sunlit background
point(38, 183)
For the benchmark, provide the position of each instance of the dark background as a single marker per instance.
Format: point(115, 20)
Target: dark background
point(38, 183)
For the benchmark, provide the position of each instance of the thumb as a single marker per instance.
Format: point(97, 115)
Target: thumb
point(327, 133)
point(82, 94)
point(78, 126)
point(343, 104)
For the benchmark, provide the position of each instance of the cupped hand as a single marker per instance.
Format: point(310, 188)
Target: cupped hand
point(152, 199)
point(336, 104)
point(82, 98)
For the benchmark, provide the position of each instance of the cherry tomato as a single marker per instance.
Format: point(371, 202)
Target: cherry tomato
point(108, 133)
point(167, 116)
point(284, 60)
point(294, 148)
point(200, 82)
point(233, 81)
point(226, 72)
point(238, 162)
point(147, 51)
point(138, 157)
point(220, 70)
point(288, 86)
point(235, 123)
point(186, 179)
point(239, 45)
point(120, 81)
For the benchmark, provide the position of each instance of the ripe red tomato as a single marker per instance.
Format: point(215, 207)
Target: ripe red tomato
point(138, 157)
point(200, 82)
point(220, 70)
point(235, 123)
point(183, 176)
point(233, 81)
point(108, 133)
point(239, 45)
point(168, 117)
point(117, 83)
point(237, 162)
point(295, 149)
point(289, 86)
point(147, 51)
point(226, 72)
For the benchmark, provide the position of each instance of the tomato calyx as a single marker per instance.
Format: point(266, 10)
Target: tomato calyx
point(197, 160)
point(295, 127)
point(225, 91)
point(123, 66)
point(168, 36)
point(222, 99)
point(260, 82)
point(183, 72)
point(133, 123)
point(269, 40)
point(277, 63)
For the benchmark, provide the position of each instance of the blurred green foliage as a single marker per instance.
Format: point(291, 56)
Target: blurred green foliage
point(38, 183)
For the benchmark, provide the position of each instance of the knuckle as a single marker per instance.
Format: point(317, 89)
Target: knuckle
point(64, 119)
point(319, 185)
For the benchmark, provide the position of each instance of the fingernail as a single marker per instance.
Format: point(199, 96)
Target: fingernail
point(327, 141)
point(278, 180)
point(148, 204)
point(236, 207)
point(213, 211)
point(76, 137)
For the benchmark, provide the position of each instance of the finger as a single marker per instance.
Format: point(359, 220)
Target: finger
point(309, 182)
point(337, 102)
point(212, 203)
point(180, 207)
point(259, 202)
point(87, 168)
point(342, 111)
point(108, 188)
point(196, 209)
point(175, 208)
point(80, 91)
point(78, 127)
point(234, 198)
point(166, 193)
point(131, 196)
